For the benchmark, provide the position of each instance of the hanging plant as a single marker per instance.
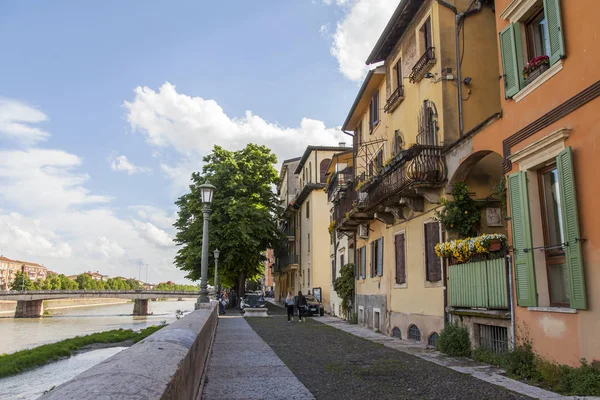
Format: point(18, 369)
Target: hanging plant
point(461, 214)
point(331, 227)
point(463, 249)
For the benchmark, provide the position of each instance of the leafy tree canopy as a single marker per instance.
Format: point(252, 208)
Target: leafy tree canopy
point(242, 222)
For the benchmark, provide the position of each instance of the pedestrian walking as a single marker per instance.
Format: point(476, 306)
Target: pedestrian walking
point(289, 305)
point(221, 301)
point(301, 305)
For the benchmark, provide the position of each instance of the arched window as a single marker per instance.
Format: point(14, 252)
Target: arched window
point(414, 333)
point(432, 341)
point(323, 170)
point(427, 135)
point(397, 333)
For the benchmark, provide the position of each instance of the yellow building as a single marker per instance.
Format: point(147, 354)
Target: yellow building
point(406, 115)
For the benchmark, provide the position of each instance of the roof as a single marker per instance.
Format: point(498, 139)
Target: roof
point(341, 157)
point(306, 190)
point(29, 264)
point(369, 85)
point(310, 149)
point(394, 30)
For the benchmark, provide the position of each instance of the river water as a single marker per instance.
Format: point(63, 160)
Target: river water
point(22, 333)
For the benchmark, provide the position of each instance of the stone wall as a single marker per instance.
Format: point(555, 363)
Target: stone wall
point(167, 365)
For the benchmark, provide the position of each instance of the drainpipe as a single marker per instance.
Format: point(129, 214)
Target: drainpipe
point(459, 17)
point(510, 301)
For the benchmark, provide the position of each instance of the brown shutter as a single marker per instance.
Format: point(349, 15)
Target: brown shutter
point(373, 259)
point(400, 259)
point(433, 262)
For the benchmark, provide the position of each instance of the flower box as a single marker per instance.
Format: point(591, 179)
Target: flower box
point(533, 75)
point(461, 250)
point(495, 245)
point(535, 68)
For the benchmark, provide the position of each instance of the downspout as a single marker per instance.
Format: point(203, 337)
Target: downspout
point(458, 18)
point(510, 302)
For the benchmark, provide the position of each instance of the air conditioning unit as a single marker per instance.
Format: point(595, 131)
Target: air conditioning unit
point(363, 231)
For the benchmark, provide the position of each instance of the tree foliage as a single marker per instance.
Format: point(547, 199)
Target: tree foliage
point(21, 282)
point(344, 286)
point(242, 222)
point(462, 214)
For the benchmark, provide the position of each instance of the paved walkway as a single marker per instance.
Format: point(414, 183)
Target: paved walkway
point(243, 366)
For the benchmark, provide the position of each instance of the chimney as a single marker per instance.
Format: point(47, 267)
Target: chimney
point(342, 144)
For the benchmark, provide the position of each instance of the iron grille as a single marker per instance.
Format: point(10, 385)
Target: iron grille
point(414, 333)
point(427, 133)
point(397, 333)
point(493, 338)
point(394, 100)
point(432, 341)
point(419, 69)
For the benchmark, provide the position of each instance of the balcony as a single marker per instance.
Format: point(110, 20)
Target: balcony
point(339, 183)
point(288, 230)
point(394, 100)
point(419, 167)
point(422, 66)
point(347, 201)
point(478, 284)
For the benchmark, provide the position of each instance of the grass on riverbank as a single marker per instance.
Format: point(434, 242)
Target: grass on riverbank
point(14, 363)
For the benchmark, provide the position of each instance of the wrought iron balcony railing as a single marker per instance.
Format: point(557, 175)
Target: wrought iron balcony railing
point(338, 182)
point(347, 201)
point(394, 100)
point(418, 166)
point(422, 65)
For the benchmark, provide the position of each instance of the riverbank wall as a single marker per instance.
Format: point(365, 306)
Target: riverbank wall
point(170, 364)
point(9, 307)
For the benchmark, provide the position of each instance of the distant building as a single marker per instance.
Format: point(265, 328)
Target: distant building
point(97, 276)
point(8, 269)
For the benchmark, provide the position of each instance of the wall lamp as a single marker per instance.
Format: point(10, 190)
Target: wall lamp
point(467, 80)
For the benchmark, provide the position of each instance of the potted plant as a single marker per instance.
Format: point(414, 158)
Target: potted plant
point(535, 68)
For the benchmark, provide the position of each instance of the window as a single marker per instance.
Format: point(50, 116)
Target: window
point(556, 266)
point(310, 172)
point(333, 271)
point(400, 254)
point(432, 261)
point(432, 341)
point(308, 278)
point(414, 333)
point(426, 36)
point(359, 132)
point(396, 332)
point(558, 211)
point(379, 159)
point(493, 338)
point(537, 38)
point(543, 36)
point(342, 261)
point(374, 111)
point(377, 257)
point(398, 73)
point(323, 170)
point(308, 209)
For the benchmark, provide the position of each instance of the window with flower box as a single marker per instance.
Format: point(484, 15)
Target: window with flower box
point(531, 45)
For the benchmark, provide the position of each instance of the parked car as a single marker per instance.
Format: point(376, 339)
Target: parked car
point(252, 301)
point(314, 306)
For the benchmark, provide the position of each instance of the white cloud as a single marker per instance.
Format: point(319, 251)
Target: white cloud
point(30, 238)
point(153, 234)
point(121, 163)
point(16, 119)
point(106, 247)
point(155, 215)
point(352, 41)
point(193, 125)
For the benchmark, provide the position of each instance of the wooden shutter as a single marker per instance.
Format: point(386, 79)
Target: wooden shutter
point(380, 257)
point(553, 29)
point(373, 259)
point(363, 262)
point(432, 261)
point(400, 259)
point(521, 240)
point(568, 202)
point(512, 63)
point(376, 108)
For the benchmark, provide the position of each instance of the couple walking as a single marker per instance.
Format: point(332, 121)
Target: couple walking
point(299, 302)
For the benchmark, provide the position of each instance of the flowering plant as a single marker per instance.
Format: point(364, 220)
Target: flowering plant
point(535, 64)
point(463, 249)
point(331, 227)
point(461, 214)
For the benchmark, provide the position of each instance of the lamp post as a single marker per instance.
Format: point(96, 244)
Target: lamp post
point(216, 254)
point(206, 192)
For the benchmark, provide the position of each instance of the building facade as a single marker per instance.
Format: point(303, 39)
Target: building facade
point(8, 269)
point(545, 145)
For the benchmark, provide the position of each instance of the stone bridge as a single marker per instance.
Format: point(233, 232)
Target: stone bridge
point(30, 304)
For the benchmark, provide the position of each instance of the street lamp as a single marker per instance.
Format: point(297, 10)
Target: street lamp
point(206, 192)
point(216, 254)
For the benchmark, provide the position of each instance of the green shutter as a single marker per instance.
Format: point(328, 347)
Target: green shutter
point(568, 202)
point(554, 30)
point(512, 63)
point(521, 240)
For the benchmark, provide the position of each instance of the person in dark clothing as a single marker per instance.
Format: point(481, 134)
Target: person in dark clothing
point(301, 305)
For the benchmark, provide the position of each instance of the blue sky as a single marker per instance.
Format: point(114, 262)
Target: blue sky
point(106, 107)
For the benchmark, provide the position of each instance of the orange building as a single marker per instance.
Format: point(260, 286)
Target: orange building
point(546, 143)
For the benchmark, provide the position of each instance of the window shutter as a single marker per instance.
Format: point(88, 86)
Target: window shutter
point(373, 259)
point(363, 262)
point(432, 261)
point(400, 259)
point(568, 201)
point(554, 30)
point(512, 64)
point(380, 257)
point(521, 238)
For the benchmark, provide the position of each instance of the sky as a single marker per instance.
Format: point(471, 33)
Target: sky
point(107, 107)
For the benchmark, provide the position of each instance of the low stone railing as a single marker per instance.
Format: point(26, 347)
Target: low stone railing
point(169, 364)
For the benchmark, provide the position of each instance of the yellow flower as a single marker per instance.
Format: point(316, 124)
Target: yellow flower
point(466, 212)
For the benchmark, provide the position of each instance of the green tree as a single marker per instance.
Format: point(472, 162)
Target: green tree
point(242, 222)
point(84, 282)
point(55, 283)
point(21, 282)
point(132, 284)
point(67, 283)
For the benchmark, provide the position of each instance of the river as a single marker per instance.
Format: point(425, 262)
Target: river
point(22, 333)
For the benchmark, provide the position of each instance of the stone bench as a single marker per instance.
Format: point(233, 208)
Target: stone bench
point(255, 312)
